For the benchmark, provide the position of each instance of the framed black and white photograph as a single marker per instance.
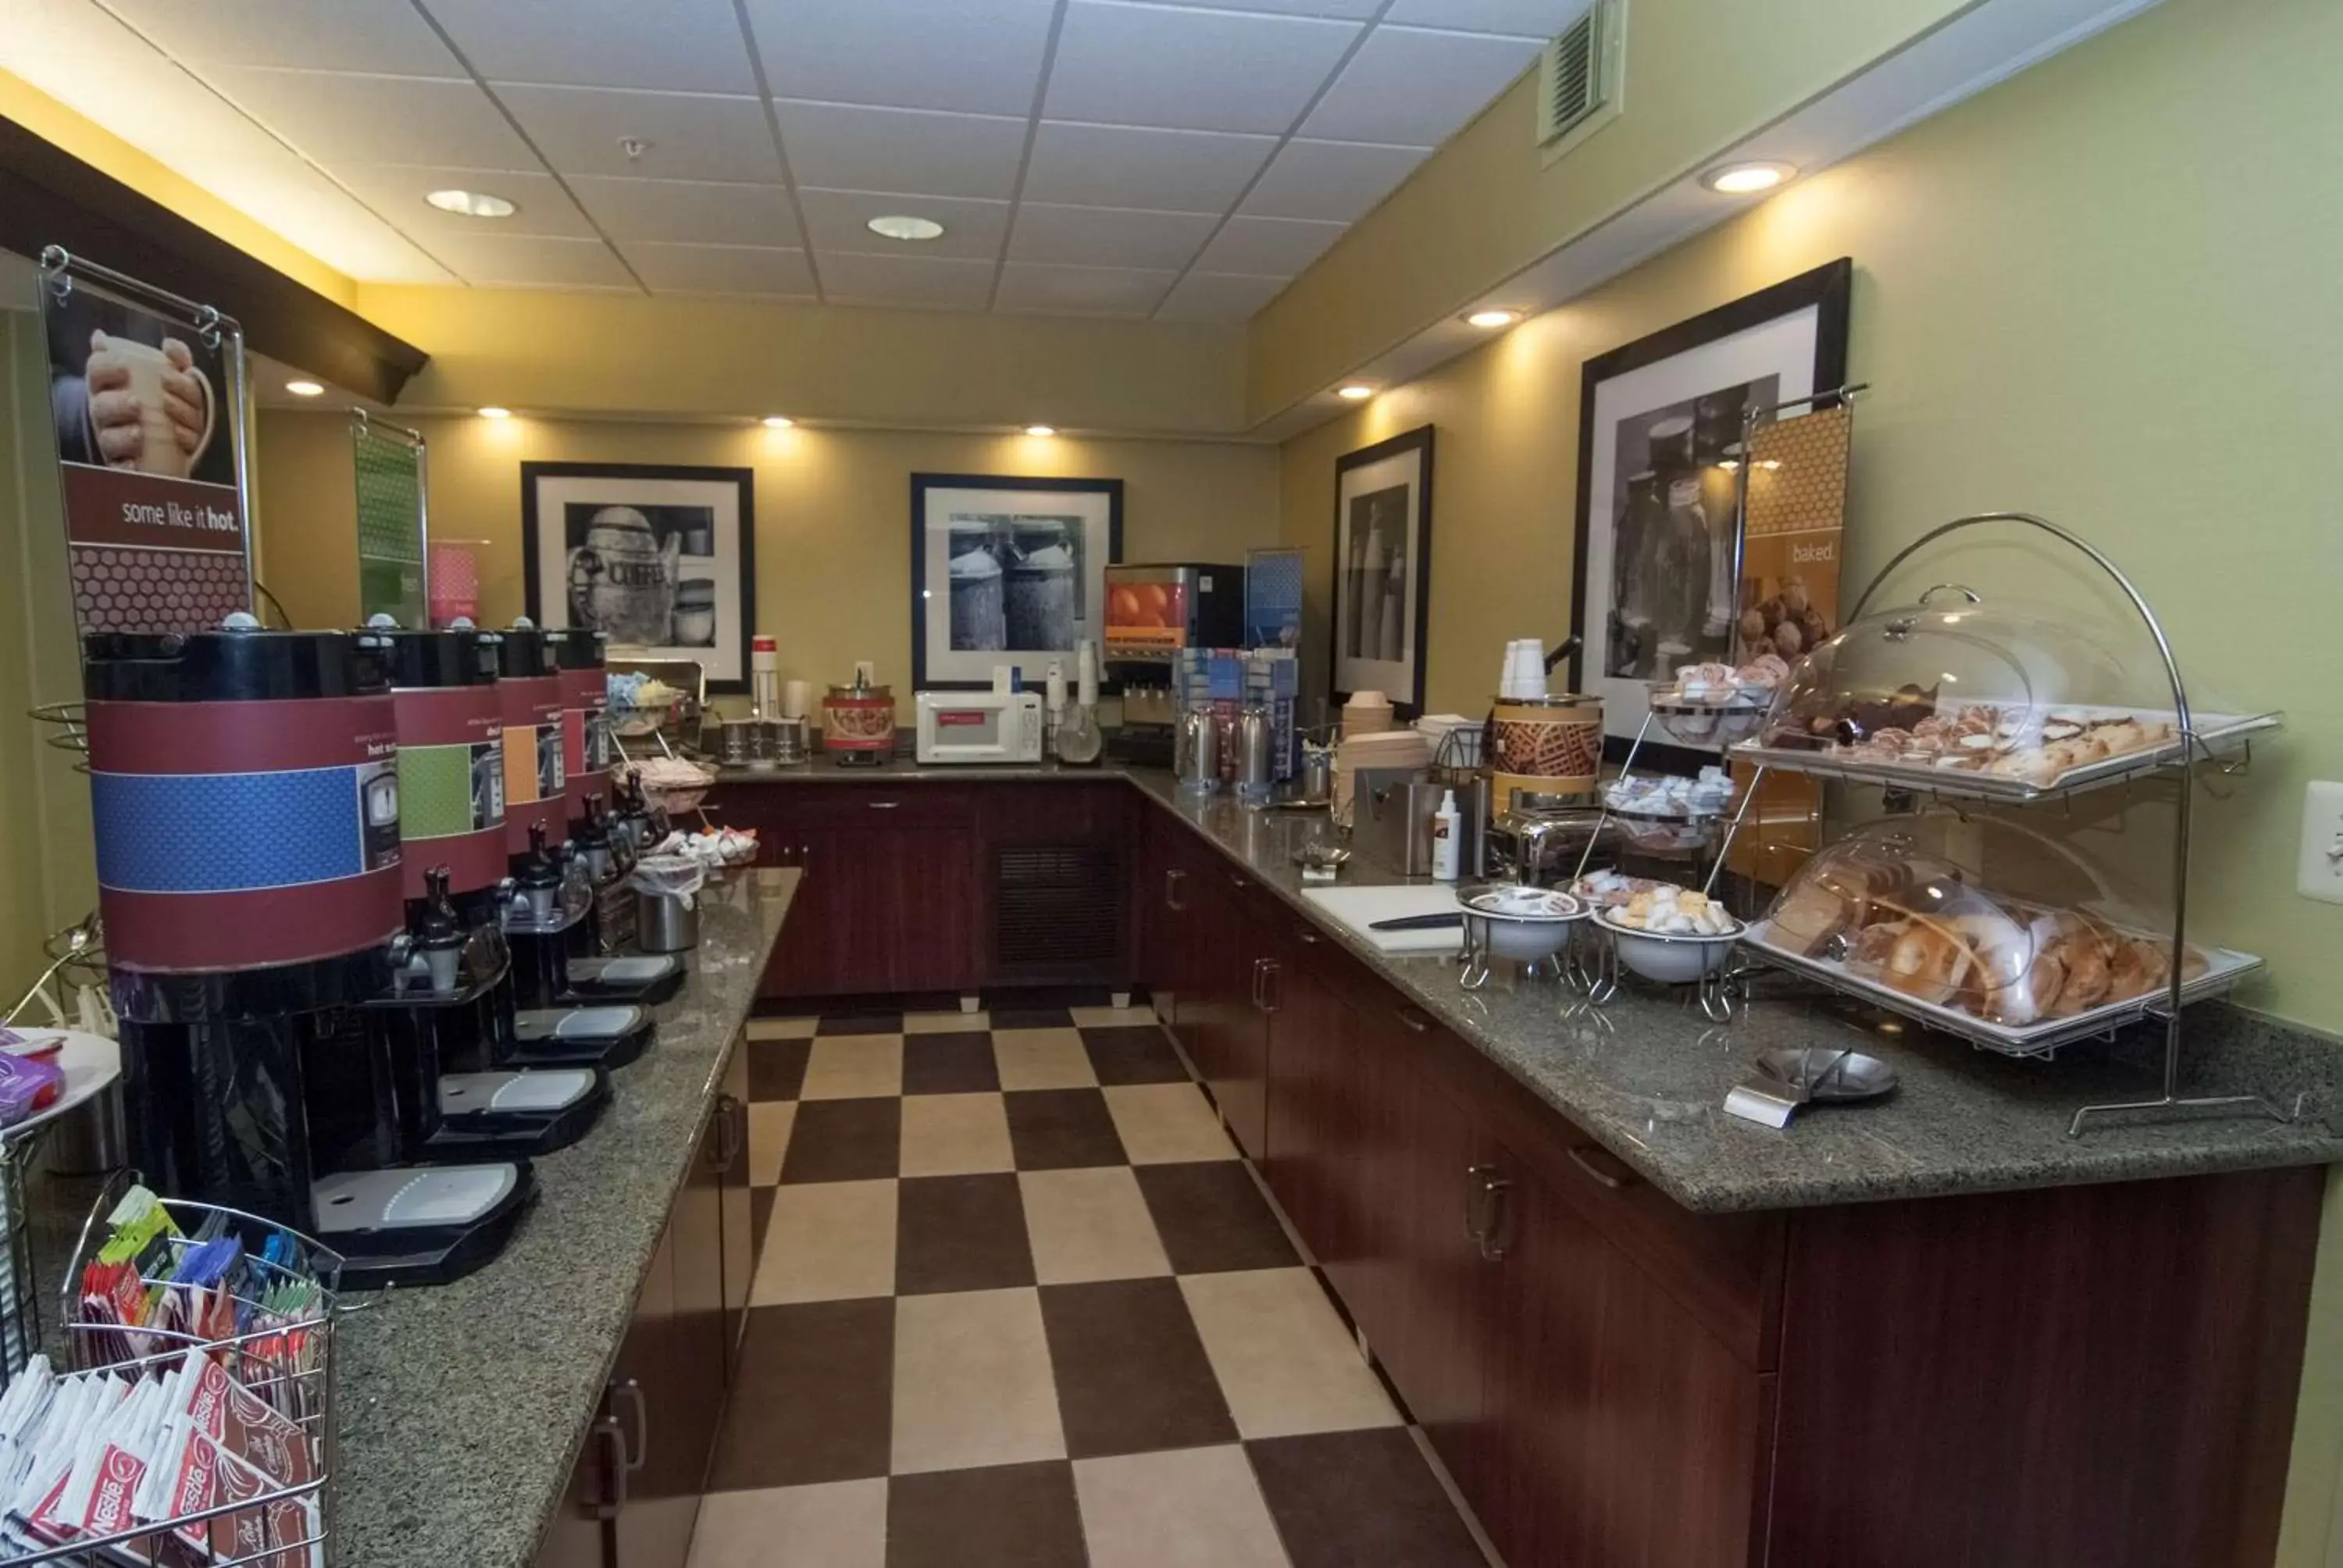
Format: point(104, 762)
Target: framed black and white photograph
point(659, 558)
point(1660, 427)
point(1382, 569)
point(1007, 571)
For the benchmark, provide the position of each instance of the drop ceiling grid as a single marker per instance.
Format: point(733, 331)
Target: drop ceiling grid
point(1172, 158)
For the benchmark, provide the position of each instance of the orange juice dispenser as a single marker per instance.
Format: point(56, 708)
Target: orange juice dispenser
point(1153, 612)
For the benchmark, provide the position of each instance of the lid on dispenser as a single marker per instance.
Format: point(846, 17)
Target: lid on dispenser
point(239, 663)
point(580, 648)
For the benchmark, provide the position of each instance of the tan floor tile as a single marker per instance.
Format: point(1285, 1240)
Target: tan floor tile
point(1285, 1363)
point(952, 1022)
point(1167, 1123)
point(972, 1382)
point(955, 1135)
point(828, 1241)
point(1090, 1225)
point(1112, 1017)
point(782, 1027)
point(854, 1067)
point(769, 1139)
point(838, 1525)
point(1191, 1508)
point(1042, 1058)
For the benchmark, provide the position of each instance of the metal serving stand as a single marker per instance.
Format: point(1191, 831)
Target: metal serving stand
point(2225, 747)
point(289, 1367)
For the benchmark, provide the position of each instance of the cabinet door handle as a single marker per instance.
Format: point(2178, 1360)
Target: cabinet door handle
point(1272, 984)
point(1305, 936)
point(883, 805)
point(1604, 1167)
point(726, 1149)
point(1485, 1210)
point(1415, 1021)
point(606, 1436)
point(638, 1453)
point(1172, 882)
point(1239, 883)
point(1257, 964)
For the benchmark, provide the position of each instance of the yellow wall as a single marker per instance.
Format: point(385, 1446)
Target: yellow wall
point(102, 149)
point(1700, 75)
point(2067, 306)
point(833, 512)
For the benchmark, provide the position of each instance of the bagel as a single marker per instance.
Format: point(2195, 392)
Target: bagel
point(1927, 962)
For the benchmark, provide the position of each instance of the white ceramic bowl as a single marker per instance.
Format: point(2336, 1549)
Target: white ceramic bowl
point(1509, 920)
point(1672, 958)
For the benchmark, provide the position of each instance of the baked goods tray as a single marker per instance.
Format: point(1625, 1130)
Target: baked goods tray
point(2217, 735)
point(2222, 969)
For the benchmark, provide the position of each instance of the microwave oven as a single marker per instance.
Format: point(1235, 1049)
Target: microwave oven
point(980, 725)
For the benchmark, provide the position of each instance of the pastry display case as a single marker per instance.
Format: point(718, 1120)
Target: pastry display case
point(1985, 928)
point(2005, 935)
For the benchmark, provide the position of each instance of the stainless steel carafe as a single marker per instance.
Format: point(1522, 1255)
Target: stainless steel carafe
point(1197, 759)
point(1256, 744)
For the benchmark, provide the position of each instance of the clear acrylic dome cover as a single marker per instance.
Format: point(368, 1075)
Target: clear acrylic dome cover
point(1982, 917)
point(2005, 697)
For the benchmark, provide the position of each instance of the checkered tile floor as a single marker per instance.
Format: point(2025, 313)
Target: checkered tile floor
point(1019, 1302)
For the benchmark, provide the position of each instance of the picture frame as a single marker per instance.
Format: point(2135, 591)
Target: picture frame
point(1656, 417)
point(661, 557)
point(1382, 570)
point(1007, 569)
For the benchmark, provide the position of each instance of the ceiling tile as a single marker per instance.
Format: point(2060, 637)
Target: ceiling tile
point(696, 212)
point(1219, 296)
point(523, 261)
point(1413, 87)
point(1522, 18)
point(1108, 237)
point(1083, 290)
point(337, 116)
point(41, 30)
point(980, 57)
point(1278, 247)
point(1161, 171)
point(383, 36)
point(1331, 181)
point(1195, 70)
point(837, 220)
point(396, 192)
point(844, 146)
point(1355, 10)
point(687, 45)
point(937, 282)
point(669, 268)
point(692, 136)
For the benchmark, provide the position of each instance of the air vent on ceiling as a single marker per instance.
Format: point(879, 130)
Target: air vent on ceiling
point(1580, 77)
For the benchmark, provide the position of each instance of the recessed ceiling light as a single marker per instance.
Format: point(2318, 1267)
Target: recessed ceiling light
point(1040, 429)
point(778, 421)
point(1493, 318)
point(496, 413)
point(305, 388)
point(1356, 392)
point(1740, 179)
point(902, 226)
point(471, 204)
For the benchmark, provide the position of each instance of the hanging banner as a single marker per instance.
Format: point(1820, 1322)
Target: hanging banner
point(147, 394)
point(394, 578)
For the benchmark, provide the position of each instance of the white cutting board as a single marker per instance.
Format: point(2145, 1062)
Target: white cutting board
point(1359, 907)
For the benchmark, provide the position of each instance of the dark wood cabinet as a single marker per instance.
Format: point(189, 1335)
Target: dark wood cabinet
point(739, 1212)
point(576, 1536)
point(651, 1523)
point(1231, 987)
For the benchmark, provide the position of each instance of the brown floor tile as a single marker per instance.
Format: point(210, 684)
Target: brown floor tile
point(782, 1027)
point(1138, 1054)
point(769, 1121)
point(961, 1234)
point(945, 1020)
point(1213, 1219)
point(761, 1218)
point(972, 1382)
point(1356, 1499)
point(831, 1241)
point(777, 1068)
point(1132, 1376)
point(1007, 1516)
point(1088, 1224)
point(838, 1525)
point(1031, 1018)
point(1042, 1058)
point(1194, 1508)
point(845, 1140)
point(959, 1063)
point(955, 1135)
point(861, 1023)
point(1286, 1362)
point(1168, 1123)
point(815, 1397)
point(1059, 1128)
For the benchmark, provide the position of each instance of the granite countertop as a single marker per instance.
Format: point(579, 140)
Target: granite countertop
point(1646, 1075)
point(462, 1406)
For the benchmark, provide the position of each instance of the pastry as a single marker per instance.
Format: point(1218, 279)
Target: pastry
point(1927, 962)
point(2139, 967)
point(1810, 917)
point(2031, 997)
point(1874, 943)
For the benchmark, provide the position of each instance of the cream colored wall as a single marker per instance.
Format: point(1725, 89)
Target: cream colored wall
point(47, 876)
point(833, 512)
point(2066, 305)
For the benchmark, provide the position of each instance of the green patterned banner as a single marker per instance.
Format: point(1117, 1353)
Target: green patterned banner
point(389, 463)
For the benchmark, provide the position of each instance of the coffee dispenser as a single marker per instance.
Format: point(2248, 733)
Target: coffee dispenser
point(245, 793)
